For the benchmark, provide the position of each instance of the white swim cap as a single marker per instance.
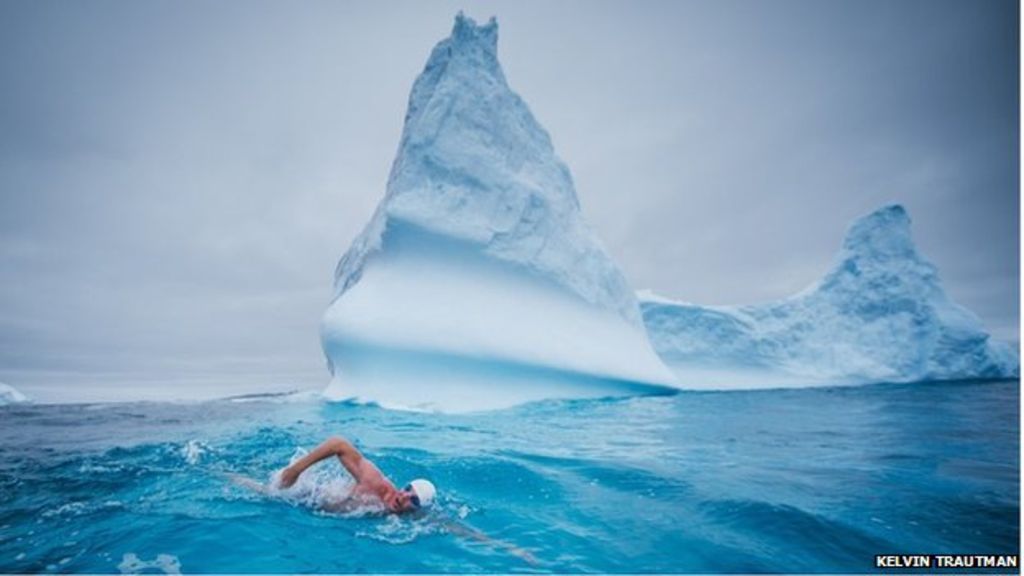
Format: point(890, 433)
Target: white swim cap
point(424, 491)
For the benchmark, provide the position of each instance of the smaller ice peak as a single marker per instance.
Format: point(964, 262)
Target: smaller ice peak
point(9, 395)
point(879, 314)
point(879, 260)
point(881, 235)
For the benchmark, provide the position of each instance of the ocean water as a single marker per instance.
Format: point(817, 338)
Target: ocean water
point(812, 480)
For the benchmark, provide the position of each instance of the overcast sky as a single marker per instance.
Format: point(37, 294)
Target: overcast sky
point(178, 179)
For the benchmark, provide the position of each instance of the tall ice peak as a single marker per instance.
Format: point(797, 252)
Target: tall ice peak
point(475, 166)
point(477, 283)
point(467, 34)
point(470, 53)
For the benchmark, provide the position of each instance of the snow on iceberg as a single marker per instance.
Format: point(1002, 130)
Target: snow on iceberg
point(8, 395)
point(477, 284)
point(880, 315)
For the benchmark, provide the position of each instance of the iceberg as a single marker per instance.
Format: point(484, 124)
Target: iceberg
point(477, 284)
point(879, 315)
point(8, 395)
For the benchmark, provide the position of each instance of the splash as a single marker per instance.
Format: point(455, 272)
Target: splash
point(400, 529)
point(326, 489)
point(162, 564)
point(193, 451)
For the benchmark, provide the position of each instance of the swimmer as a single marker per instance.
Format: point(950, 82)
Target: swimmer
point(371, 485)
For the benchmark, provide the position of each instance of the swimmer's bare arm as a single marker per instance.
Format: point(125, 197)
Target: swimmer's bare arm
point(466, 531)
point(245, 482)
point(360, 468)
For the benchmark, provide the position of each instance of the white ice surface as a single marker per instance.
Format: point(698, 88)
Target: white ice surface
point(447, 329)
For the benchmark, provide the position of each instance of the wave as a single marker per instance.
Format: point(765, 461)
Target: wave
point(767, 527)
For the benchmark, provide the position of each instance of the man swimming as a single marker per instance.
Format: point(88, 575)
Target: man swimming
point(373, 488)
point(371, 485)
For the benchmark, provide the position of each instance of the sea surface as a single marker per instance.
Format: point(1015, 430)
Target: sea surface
point(811, 480)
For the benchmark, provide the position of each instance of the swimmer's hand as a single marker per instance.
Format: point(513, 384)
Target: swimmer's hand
point(288, 477)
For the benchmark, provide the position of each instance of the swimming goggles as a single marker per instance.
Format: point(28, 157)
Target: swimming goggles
point(414, 498)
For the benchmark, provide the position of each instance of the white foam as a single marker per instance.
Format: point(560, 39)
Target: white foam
point(193, 451)
point(327, 489)
point(397, 529)
point(166, 563)
point(69, 509)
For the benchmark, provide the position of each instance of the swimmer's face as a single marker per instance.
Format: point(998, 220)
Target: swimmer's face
point(403, 501)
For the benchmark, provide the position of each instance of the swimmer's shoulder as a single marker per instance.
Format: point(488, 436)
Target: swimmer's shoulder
point(363, 502)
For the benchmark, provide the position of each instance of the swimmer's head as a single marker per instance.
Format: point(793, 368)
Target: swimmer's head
point(420, 493)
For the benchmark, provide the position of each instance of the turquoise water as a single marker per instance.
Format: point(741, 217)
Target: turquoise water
point(815, 480)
